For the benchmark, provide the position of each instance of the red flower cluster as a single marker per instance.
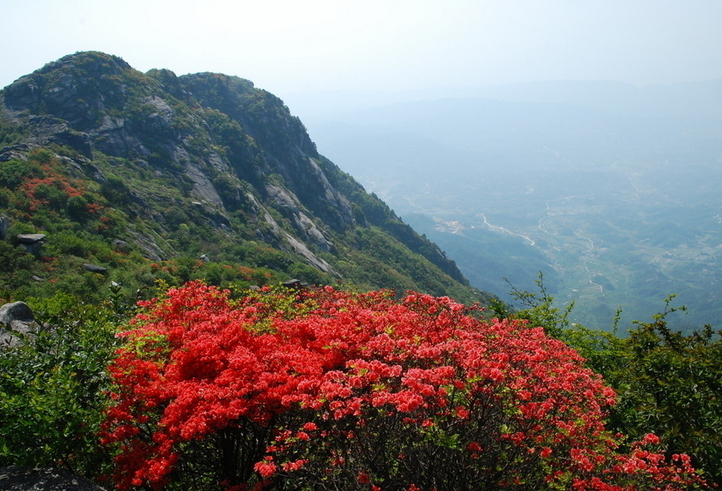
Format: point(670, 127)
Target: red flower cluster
point(365, 391)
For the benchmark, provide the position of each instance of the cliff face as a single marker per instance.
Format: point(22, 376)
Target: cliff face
point(210, 151)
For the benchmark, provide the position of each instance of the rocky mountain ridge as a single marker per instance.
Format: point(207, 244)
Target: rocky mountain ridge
point(196, 166)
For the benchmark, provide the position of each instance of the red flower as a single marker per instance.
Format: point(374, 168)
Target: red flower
point(333, 383)
point(363, 477)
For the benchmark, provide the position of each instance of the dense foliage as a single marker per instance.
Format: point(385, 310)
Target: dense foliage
point(667, 381)
point(672, 384)
point(324, 389)
point(53, 387)
point(82, 225)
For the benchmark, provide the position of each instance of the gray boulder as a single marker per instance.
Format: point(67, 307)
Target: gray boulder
point(15, 318)
point(16, 313)
point(30, 238)
point(31, 242)
point(93, 268)
point(29, 479)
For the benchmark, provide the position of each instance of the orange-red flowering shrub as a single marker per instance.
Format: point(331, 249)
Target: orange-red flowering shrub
point(325, 389)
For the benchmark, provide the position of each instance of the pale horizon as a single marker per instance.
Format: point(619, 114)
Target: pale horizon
point(289, 47)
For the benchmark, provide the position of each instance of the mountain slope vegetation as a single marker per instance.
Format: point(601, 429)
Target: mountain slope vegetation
point(134, 178)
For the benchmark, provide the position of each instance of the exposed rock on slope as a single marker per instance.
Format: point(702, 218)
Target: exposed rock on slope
point(16, 318)
point(27, 479)
point(213, 155)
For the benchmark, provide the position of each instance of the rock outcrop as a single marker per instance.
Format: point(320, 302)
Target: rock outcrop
point(31, 242)
point(96, 101)
point(15, 319)
point(207, 152)
point(31, 479)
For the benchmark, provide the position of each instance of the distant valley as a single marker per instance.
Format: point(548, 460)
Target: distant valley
point(611, 191)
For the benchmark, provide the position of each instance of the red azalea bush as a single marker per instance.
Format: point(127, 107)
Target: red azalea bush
point(325, 389)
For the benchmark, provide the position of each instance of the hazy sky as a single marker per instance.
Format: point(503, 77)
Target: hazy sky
point(289, 46)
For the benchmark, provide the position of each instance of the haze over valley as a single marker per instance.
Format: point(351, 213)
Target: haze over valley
point(609, 190)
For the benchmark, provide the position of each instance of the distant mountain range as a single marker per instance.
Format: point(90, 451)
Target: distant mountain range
point(610, 190)
point(128, 178)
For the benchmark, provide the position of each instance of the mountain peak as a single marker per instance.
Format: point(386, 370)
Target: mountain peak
point(198, 165)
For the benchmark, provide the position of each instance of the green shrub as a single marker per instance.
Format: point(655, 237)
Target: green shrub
point(14, 172)
point(667, 382)
point(52, 387)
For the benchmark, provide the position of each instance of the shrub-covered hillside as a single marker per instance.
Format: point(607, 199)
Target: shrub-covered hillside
point(111, 176)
